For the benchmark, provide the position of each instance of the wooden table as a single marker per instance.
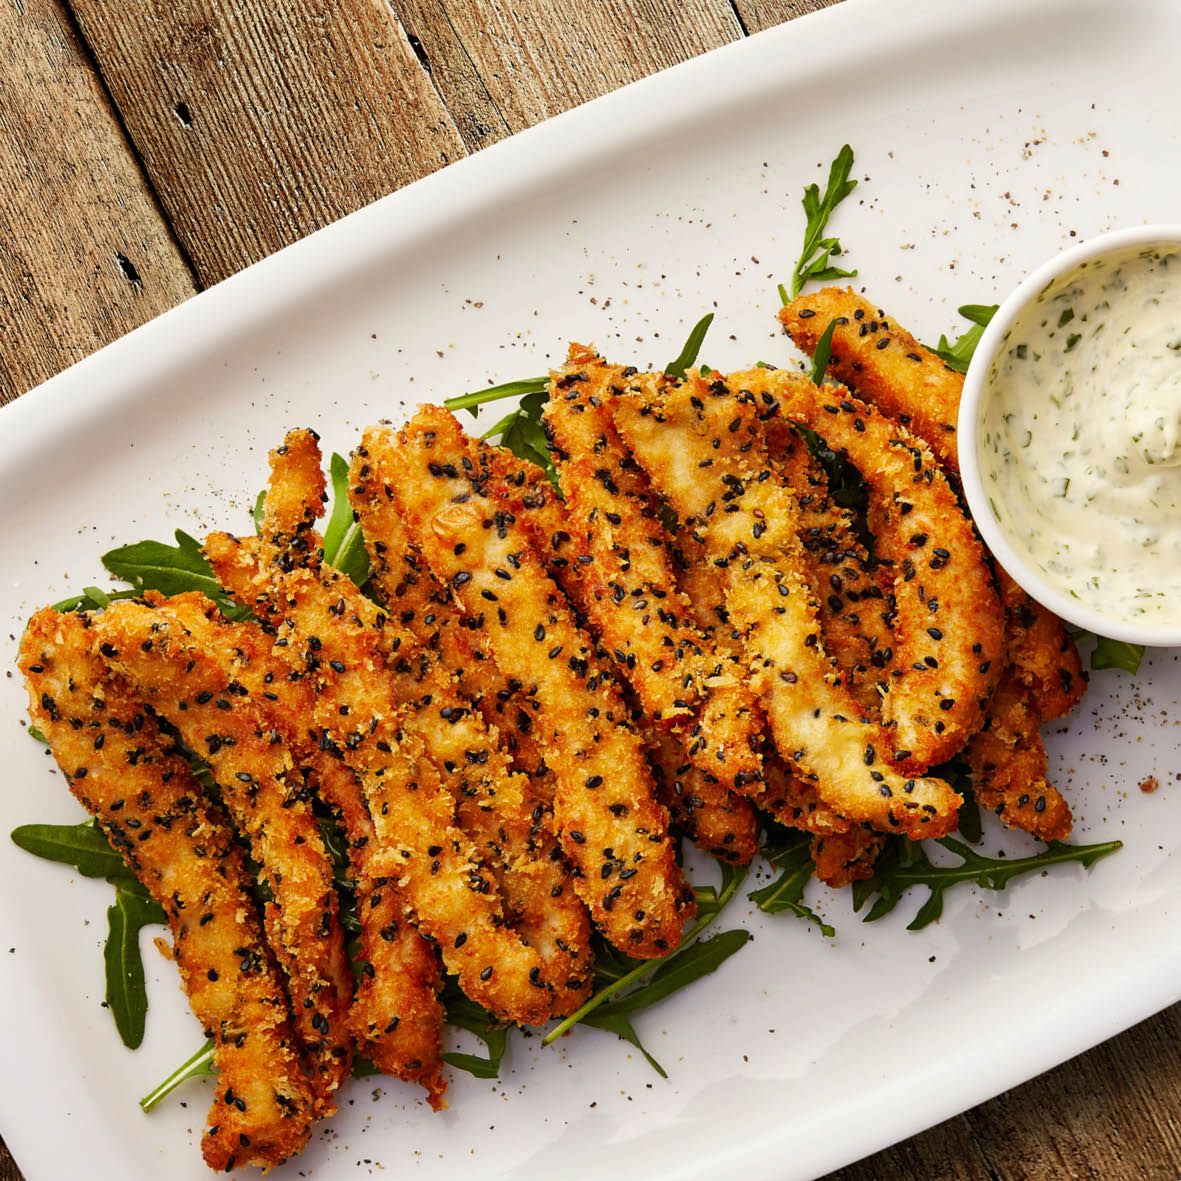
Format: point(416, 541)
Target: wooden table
point(149, 148)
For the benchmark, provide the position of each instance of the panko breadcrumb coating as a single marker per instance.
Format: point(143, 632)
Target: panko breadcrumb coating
point(132, 779)
point(703, 449)
point(611, 826)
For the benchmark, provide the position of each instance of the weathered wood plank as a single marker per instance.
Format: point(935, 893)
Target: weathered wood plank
point(260, 121)
point(8, 1169)
point(85, 254)
point(536, 58)
point(757, 15)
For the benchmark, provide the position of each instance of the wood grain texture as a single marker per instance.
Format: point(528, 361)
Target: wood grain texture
point(536, 58)
point(757, 15)
point(260, 121)
point(85, 254)
point(8, 1169)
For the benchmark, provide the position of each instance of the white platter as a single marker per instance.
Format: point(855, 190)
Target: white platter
point(986, 134)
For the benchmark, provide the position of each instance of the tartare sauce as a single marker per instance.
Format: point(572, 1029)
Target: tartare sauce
point(1079, 439)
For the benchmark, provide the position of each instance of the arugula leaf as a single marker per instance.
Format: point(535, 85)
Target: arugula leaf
point(200, 1063)
point(674, 973)
point(494, 393)
point(620, 1025)
point(791, 855)
point(905, 864)
point(127, 996)
point(466, 1014)
point(1109, 653)
point(815, 261)
point(957, 773)
point(171, 570)
point(344, 543)
point(622, 977)
point(521, 432)
point(92, 599)
point(84, 846)
point(687, 357)
point(958, 353)
point(823, 354)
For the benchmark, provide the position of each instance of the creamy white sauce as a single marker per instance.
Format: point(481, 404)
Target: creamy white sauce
point(1079, 439)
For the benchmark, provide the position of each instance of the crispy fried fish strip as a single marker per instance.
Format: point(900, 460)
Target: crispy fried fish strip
point(147, 801)
point(721, 738)
point(704, 450)
point(606, 547)
point(336, 633)
point(1008, 762)
point(948, 622)
point(882, 362)
point(855, 614)
point(701, 806)
point(612, 827)
point(396, 1012)
point(844, 858)
point(419, 602)
point(1044, 657)
point(619, 561)
point(497, 807)
point(193, 687)
point(911, 384)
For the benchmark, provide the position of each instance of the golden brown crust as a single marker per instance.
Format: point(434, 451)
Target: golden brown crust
point(496, 806)
point(1044, 656)
point(704, 450)
point(181, 848)
point(1008, 762)
point(611, 826)
point(883, 363)
point(336, 633)
point(606, 550)
point(185, 678)
point(947, 620)
point(395, 1012)
point(855, 608)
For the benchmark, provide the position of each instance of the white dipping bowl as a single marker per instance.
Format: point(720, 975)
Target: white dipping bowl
point(980, 388)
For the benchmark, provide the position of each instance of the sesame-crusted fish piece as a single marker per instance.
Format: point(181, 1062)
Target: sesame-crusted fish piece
point(249, 754)
point(703, 448)
point(882, 363)
point(947, 618)
point(855, 611)
point(1043, 655)
point(606, 547)
point(843, 858)
point(131, 778)
point(496, 806)
point(409, 591)
point(360, 711)
point(1009, 765)
point(395, 1013)
point(609, 520)
point(720, 739)
point(612, 827)
point(709, 813)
